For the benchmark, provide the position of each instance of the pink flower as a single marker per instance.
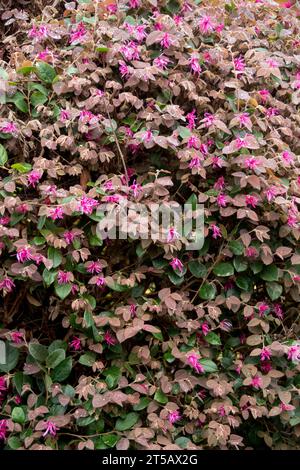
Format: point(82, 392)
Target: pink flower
point(216, 231)
point(251, 252)
point(273, 64)
point(51, 429)
point(56, 213)
point(34, 177)
point(3, 429)
point(256, 382)
point(130, 51)
point(135, 188)
point(22, 208)
point(100, 281)
point(166, 41)
point(161, 62)
point(263, 308)
point(78, 33)
point(176, 264)
point(271, 193)
point(64, 277)
point(123, 68)
point(172, 235)
point(294, 353)
point(38, 33)
point(8, 128)
point(252, 163)
point(46, 55)
point(195, 162)
point(191, 118)
point(112, 8)
point(94, 267)
point(287, 157)
point(3, 385)
point(64, 115)
point(134, 3)
point(193, 361)
point(265, 354)
point(193, 142)
point(87, 205)
point(286, 407)
point(217, 162)
point(194, 64)
point(205, 25)
point(109, 339)
point(208, 119)
point(132, 310)
point(17, 337)
point(271, 112)
point(278, 311)
point(75, 343)
point(220, 183)
point(174, 416)
point(69, 236)
point(239, 64)
point(222, 411)
point(292, 219)
point(7, 284)
point(24, 254)
point(222, 200)
point(178, 19)
point(264, 94)
point(205, 328)
point(251, 200)
point(244, 119)
point(4, 220)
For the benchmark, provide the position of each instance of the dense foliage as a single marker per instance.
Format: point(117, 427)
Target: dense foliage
point(136, 343)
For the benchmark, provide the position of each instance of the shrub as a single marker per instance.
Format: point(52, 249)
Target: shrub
point(140, 343)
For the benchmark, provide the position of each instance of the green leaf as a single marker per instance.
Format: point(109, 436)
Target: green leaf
point(22, 167)
point(87, 359)
point(182, 442)
point(256, 267)
point(38, 351)
point(175, 279)
point(14, 442)
point(184, 132)
point(236, 247)
point(18, 381)
point(57, 344)
point(49, 277)
point(55, 256)
point(118, 287)
point(26, 70)
point(274, 290)
point(3, 155)
point(124, 424)
point(101, 48)
point(18, 415)
point(95, 241)
point(240, 264)
point(160, 397)
point(142, 404)
point(110, 440)
point(223, 269)
point(38, 98)
point(63, 290)
point(209, 366)
point(11, 358)
point(270, 273)
point(213, 338)
point(19, 101)
point(207, 291)
point(55, 358)
point(197, 269)
point(243, 282)
point(45, 72)
point(62, 371)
